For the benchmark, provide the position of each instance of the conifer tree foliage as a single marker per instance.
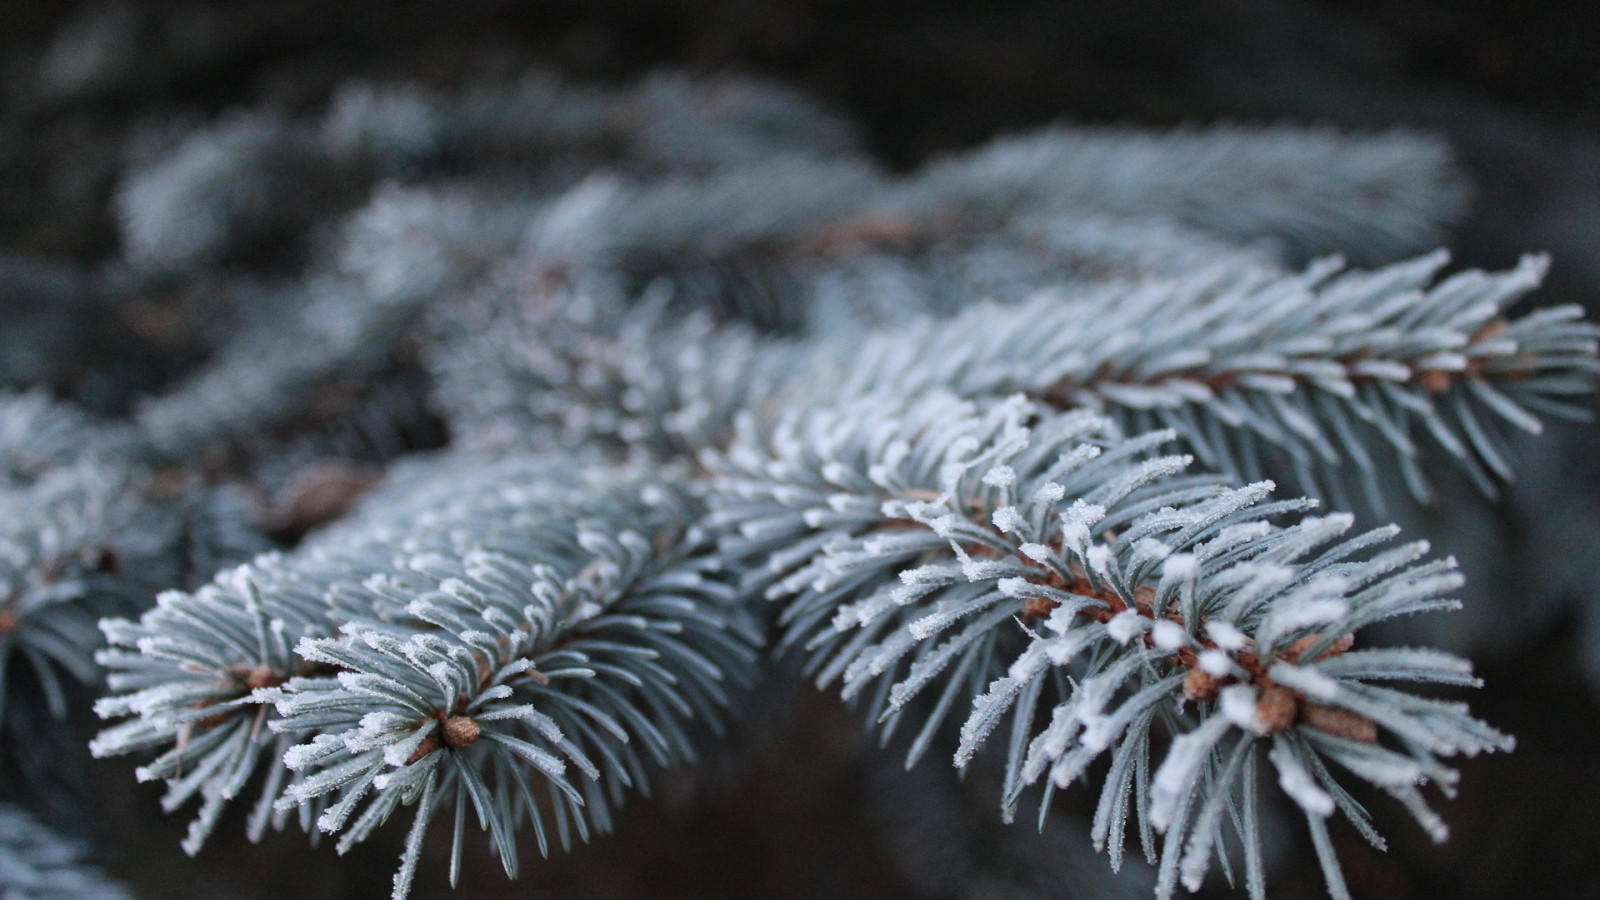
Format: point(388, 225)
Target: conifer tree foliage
point(514, 437)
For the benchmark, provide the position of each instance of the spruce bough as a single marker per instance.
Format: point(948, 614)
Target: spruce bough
point(993, 449)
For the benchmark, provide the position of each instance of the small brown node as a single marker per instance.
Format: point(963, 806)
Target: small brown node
point(1277, 708)
point(214, 719)
point(428, 745)
point(1341, 722)
point(459, 731)
point(1201, 686)
point(8, 620)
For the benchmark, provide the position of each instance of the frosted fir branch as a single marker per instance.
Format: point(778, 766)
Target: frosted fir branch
point(1375, 195)
point(184, 674)
point(430, 509)
point(505, 689)
point(1331, 375)
point(36, 863)
point(444, 555)
point(794, 246)
point(1325, 376)
point(1032, 561)
point(86, 531)
point(565, 347)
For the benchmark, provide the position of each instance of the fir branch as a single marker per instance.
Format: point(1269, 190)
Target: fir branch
point(910, 541)
point(575, 607)
point(1325, 377)
point(87, 532)
point(1321, 370)
point(627, 634)
point(185, 673)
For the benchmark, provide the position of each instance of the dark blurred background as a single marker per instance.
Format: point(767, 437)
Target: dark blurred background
point(810, 809)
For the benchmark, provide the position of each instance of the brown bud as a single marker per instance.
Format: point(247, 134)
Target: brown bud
point(214, 719)
point(1435, 381)
point(1341, 722)
point(1201, 686)
point(459, 731)
point(1037, 608)
point(1490, 330)
point(261, 677)
point(8, 620)
point(1293, 651)
point(1145, 599)
point(428, 745)
point(1277, 708)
